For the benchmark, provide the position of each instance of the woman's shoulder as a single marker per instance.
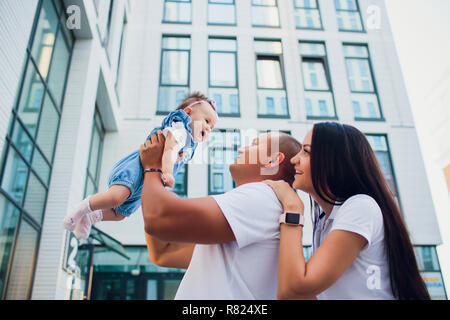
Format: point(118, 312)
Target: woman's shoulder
point(362, 204)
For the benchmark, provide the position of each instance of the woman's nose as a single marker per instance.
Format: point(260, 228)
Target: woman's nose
point(295, 159)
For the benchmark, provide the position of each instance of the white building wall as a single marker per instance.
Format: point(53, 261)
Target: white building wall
point(16, 20)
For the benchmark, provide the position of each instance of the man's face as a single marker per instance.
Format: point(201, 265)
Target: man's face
point(255, 153)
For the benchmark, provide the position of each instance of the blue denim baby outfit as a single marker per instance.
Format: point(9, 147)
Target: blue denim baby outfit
point(129, 172)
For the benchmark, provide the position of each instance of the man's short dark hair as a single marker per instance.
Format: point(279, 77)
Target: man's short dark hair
point(290, 147)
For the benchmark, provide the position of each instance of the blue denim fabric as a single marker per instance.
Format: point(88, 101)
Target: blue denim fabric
point(129, 172)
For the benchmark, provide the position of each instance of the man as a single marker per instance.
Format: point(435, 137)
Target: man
point(228, 243)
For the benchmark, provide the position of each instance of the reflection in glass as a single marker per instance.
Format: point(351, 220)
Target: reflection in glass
point(44, 38)
point(222, 69)
point(58, 69)
point(14, 176)
point(9, 217)
point(221, 12)
point(175, 68)
point(265, 13)
point(177, 11)
point(48, 127)
point(269, 74)
point(23, 262)
point(35, 198)
point(31, 99)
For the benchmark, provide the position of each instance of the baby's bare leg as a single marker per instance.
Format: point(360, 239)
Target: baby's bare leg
point(114, 197)
point(111, 215)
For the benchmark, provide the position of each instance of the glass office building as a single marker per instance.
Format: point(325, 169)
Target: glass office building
point(86, 95)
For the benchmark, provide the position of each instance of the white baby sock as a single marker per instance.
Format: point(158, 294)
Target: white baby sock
point(83, 228)
point(72, 219)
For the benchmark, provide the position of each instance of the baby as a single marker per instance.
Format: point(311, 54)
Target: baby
point(183, 128)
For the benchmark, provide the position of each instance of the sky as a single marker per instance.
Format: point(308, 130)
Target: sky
point(421, 31)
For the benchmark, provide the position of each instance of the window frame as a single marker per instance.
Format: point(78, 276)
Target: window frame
point(372, 76)
point(266, 6)
point(324, 60)
point(224, 148)
point(218, 23)
point(358, 10)
point(165, 112)
point(230, 115)
point(276, 57)
point(176, 22)
point(321, 28)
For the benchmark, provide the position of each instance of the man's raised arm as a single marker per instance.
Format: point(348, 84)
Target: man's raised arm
point(170, 218)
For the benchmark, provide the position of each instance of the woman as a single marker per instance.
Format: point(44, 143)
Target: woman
point(361, 248)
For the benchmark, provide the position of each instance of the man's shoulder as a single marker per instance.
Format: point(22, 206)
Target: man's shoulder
point(253, 191)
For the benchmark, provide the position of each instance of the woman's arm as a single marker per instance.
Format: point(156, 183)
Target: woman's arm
point(298, 278)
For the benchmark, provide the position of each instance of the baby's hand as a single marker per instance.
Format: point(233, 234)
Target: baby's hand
point(168, 179)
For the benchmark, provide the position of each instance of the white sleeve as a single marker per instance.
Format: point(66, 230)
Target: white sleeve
point(362, 215)
point(178, 131)
point(252, 211)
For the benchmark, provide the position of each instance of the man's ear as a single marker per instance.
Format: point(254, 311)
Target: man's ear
point(188, 110)
point(275, 160)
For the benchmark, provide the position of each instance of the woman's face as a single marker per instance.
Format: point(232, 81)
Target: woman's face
point(302, 166)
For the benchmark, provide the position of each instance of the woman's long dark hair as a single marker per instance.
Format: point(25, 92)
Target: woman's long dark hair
point(343, 164)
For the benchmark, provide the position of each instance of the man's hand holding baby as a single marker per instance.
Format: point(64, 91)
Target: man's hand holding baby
point(151, 153)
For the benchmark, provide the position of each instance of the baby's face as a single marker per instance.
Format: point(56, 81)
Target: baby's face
point(204, 119)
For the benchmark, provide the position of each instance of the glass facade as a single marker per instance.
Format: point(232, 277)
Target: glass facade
point(222, 146)
point(174, 74)
point(319, 100)
point(364, 94)
point(348, 15)
point(380, 146)
point(307, 14)
point(30, 146)
point(177, 11)
point(265, 13)
point(223, 77)
point(271, 88)
point(221, 12)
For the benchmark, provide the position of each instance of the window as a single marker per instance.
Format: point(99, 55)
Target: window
point(362, 86)
point(348, 15)
point(180, 187)
point(265, 13)
point(95, 156)
point(380, 146)
point(223, 79)
point(307, 14)
point(29, 148)
point(174, 74)
point(272, 99)
point(177, 11)
point(222, 145)
point(222, 12)
point(319, 99)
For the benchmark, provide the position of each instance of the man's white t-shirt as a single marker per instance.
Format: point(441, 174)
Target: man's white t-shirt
point(244, 269)
point(368, 276)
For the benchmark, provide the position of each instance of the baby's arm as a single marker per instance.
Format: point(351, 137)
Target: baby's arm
point(170, 156)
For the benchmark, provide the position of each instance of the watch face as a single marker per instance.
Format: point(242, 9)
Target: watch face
point(292, 218)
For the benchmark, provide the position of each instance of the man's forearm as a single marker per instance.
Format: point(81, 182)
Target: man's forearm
point(153, 200)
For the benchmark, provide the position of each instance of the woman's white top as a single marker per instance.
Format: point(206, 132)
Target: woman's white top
point(368, 276)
